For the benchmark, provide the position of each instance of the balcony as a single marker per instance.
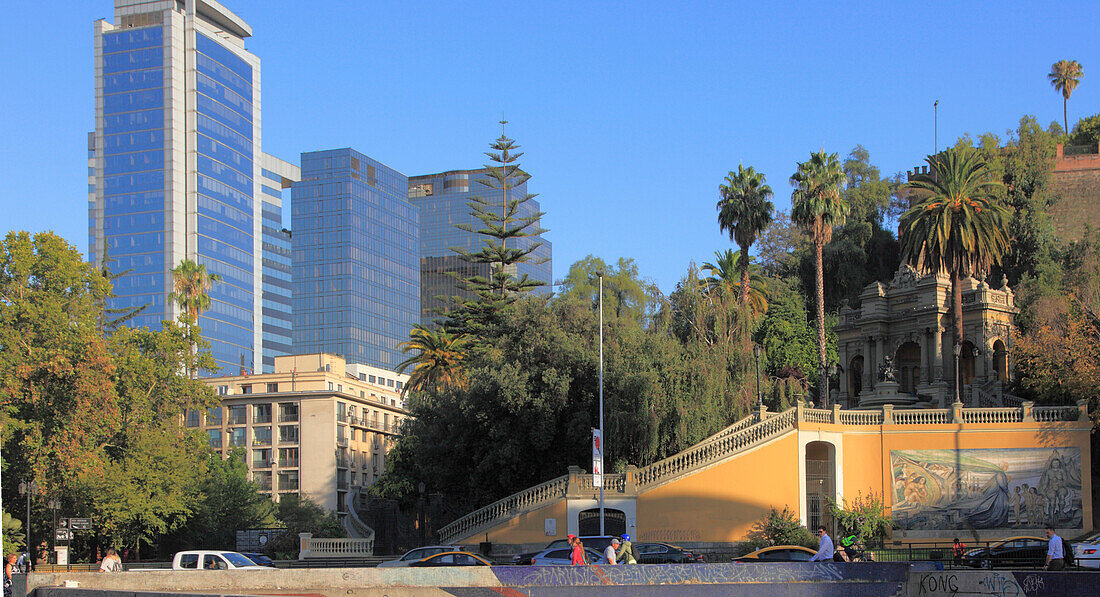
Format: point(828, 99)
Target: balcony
point(288, 483)
point(288, 463)
point(342, 442)
point(288, 417)
point(264, 484)
point(341, 485)
point(261, 442)
point(341, 417)
point(288, 439)
point(263, 463)
point(261, 419)
point(342, 461)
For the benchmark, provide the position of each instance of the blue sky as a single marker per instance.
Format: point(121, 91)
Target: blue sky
point(631, 114)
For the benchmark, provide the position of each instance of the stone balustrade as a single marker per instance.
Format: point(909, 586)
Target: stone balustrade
point(742, 435)
point(311, 547)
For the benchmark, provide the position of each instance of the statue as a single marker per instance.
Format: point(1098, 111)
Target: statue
point(887, 372)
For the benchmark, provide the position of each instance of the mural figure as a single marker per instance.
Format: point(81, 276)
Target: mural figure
point(987, 488)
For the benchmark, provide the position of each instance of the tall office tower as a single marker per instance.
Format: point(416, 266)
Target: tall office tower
point(177, 165)
point(276, 175)
point(442, 199)
point(356, 253)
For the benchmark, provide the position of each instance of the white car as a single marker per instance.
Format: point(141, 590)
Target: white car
point(203, 559)
point(415, 555)
point(1086, 553)
point(563, 556)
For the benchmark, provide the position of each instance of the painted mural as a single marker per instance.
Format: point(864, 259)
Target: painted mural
point(987, 488)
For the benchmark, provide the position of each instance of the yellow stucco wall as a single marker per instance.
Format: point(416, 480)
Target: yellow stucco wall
point(721, 502)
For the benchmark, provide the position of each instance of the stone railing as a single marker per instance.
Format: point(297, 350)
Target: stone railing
point(817, 415)
point(355, 525)
point(939, 416)
point(993, 415)
point(1051, 414)
point(517, 503)
point(319, 548)
point(714, 450)
point(861, 417)
point(614, 483)
point(749, 421)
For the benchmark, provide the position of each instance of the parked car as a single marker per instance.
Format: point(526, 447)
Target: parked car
point(259, 558)
point(596, 542)
point(664, 553)
point(451, 558)
point(213, 560)
point(779, 553)
point(1086, 553)
point(1018, 552)
point(415, 555)
point(563, 556)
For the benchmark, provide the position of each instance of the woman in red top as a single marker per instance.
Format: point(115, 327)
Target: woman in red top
point(578, 551)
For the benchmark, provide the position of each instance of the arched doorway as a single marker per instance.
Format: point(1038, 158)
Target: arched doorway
point(1000, 361)
point(820, 482)
point(855, 379)
point(966, 363)
point(588, 522)
point(907, 360)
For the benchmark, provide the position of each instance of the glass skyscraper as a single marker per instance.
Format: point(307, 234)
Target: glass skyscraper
point(276, 175)
point(442, 200)
point(356, 255)
point(176, 165)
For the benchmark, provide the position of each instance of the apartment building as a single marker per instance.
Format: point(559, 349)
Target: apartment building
point(316, 427)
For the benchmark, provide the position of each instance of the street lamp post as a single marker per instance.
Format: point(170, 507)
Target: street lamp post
point(759, 396)
point(603, 438)
point(420, 514)
point(29, 489)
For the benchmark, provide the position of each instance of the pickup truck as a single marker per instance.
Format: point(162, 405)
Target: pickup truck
point(213, 560)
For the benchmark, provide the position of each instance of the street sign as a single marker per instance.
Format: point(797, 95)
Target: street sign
point(63, 523)
point(80, 524)
point(597, 459)
point(63, 534)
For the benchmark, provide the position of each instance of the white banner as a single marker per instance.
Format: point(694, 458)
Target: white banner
point(597, 459)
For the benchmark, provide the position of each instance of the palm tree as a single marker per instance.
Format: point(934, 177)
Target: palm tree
point(439, 360)
point(817, 206)
point(727, 272)
point(959, 226)
point(745, 211)
point(1064, 76)
point(192, 287)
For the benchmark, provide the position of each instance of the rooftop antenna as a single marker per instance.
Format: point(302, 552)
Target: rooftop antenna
point(936, 125)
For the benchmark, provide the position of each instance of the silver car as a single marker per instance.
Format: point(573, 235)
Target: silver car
point(1086, 553)
point(415, 555)
point(563, 556)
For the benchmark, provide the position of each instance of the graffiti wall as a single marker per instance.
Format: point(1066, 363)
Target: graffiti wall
point(987, 488)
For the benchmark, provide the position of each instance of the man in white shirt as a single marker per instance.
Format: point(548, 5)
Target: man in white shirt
point(609, 552)
point(825, 548)
point(1055, 551)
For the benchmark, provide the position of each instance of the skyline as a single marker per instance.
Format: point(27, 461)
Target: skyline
point(666, 146)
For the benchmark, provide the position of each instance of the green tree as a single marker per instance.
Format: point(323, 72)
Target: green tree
point(777, 527)
point(865, 517)
point(625, 292)
point(301, 515)
point(867, 194)
point(818, 207)
point(1086, 131)
point(958, 227)
point(1064, 76)
point(500, 221)
point(439, 361)
point(15, 540)
point(788, 338)
point(744, 210)
point(192, 284)
point(779, 246)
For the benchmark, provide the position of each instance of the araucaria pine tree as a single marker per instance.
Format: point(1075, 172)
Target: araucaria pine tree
point(503, 220)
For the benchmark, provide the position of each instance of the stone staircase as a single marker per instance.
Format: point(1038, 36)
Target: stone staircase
point(755, 430)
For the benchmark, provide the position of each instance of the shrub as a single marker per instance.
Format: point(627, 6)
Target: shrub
point(777, 527)
point(865, 517)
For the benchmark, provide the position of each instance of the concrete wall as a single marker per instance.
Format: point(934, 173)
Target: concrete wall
point(1076, 180)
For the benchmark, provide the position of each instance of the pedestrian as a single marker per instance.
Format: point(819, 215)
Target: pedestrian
point(9, 565)
point(609, 552)
point(578, 551)
point(958, 550)
point(625, 553)
point(825, 549)
point(111, 562)
point(1055, 551)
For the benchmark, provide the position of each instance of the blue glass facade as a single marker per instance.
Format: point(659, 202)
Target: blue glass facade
point(224, 148)
point(171, 166)
point(443, 203)
point(277, 337)
point(356, 276)
point(133, 180)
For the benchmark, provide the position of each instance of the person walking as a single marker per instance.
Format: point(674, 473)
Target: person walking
point(578, 551)
point(958, 550)
point(825, 549)
point(625, 553)
point(1055, 551)
point(609, 552)
point(9, 568)
point(111, 562)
